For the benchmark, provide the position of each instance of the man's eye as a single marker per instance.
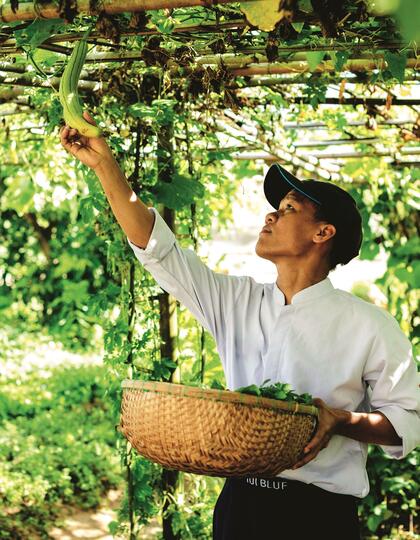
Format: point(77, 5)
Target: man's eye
point(287, 206)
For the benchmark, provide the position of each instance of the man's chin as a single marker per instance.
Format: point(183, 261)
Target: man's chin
point(261, 252)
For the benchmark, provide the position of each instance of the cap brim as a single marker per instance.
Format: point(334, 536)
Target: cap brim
point(278, 182)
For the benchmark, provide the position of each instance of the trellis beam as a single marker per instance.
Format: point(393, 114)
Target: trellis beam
point(50, 10)
point(355, 65)
point(8, 67)
point(355, 101)
point(52, 82)
point(402, 164)
point(295, 159)
point(322, 125)
point(94, 86)
point(302, 80)
point(16, 111)
point(315, 170)
point(406, 151)
point(314, 144)
point(204, 27)
point(237, 63)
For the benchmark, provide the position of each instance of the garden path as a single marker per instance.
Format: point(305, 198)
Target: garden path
point(93, 525)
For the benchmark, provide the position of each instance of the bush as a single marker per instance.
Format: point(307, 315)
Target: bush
point(390, 509)
point(57, 447)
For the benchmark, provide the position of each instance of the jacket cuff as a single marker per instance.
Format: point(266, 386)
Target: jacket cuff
point(406, 424)
point(160, 242)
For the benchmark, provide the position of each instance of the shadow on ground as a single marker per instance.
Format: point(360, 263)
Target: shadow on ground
point(93, 525)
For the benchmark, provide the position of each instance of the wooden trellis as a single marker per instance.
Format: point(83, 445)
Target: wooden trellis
point(246, 62)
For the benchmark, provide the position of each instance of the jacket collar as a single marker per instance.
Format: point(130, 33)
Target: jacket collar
point(309, 293)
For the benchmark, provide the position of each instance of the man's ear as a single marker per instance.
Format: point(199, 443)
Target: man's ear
point(324, 233)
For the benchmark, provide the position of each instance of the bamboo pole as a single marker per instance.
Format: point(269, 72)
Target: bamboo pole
point(406, 151)
point(356, 65)
point(315, 170)
point(178, 28)
point(52, 82)
point(338, 142)
point(7, 94)
point(250, 68)
point(302, 80)
point(32, 10)
point(257, 63)
point(215, 28)
point(356, 101)
point(15, 111)
point(258, 56)
point(94, 86)
point(401, 164)
point(322, 125)
point(9, 67)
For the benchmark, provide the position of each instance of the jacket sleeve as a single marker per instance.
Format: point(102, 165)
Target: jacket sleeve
point(392, 376)
point(209, 296)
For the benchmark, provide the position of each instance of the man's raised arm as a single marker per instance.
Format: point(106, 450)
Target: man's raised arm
point(132, 214)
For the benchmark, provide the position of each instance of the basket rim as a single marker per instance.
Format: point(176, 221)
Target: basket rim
point(211, 394)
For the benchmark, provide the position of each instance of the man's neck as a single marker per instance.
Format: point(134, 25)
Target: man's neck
point(291, 280)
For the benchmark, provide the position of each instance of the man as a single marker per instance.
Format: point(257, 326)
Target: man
point(348, 353)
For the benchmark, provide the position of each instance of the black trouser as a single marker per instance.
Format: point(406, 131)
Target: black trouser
point(258, 509)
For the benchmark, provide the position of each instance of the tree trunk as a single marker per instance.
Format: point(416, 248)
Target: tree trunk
point(168, 322)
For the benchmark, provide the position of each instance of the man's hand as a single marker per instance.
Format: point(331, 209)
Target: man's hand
point(373, 428)
point(93, 152)
point(328, 421)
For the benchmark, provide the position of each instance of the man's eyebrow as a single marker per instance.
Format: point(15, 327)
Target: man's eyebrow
point(298, 198)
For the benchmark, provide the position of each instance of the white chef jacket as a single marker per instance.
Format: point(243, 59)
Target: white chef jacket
point(327, 342)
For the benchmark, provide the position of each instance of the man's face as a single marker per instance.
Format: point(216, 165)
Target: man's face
point(289, 232)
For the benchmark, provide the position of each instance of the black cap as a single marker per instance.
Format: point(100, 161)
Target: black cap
point(336, 204)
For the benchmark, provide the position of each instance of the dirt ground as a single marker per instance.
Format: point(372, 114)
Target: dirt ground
point(93, 525)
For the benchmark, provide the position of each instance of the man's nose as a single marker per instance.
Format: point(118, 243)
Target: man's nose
point(272, 217)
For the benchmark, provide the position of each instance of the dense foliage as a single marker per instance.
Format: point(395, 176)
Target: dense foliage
point(57, 445)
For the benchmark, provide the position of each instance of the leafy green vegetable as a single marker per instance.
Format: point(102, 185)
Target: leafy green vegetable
point(282, 391)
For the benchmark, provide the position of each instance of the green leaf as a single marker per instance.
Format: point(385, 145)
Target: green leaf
point(396, 64)
point(305, 5)
point(369, 251)
point(341, 58)
point(37, 32)
point(46, 58)
point(113, 527)
point(298, 26)
point(180, 192)
point(382, 7)
point(19, 194)
point(216, 385)
point(251, 389)
point(5, 302)
point(314, 58)
point(264, 14)
point(408, 16)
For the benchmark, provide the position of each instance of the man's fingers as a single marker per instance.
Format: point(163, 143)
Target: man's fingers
point(306, 459)
point(312, 452)
point(88, 118)
point(315, 441)
point(64, 133)
point(309, 457)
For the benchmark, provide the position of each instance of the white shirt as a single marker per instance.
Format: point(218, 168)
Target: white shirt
point(327, 342)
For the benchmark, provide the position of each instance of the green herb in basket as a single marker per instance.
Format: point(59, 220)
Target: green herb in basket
point(278, 390)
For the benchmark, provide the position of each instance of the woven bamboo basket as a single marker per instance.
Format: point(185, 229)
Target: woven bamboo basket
point(213, 432)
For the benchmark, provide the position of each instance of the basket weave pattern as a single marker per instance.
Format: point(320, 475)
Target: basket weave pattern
point(212, 432)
